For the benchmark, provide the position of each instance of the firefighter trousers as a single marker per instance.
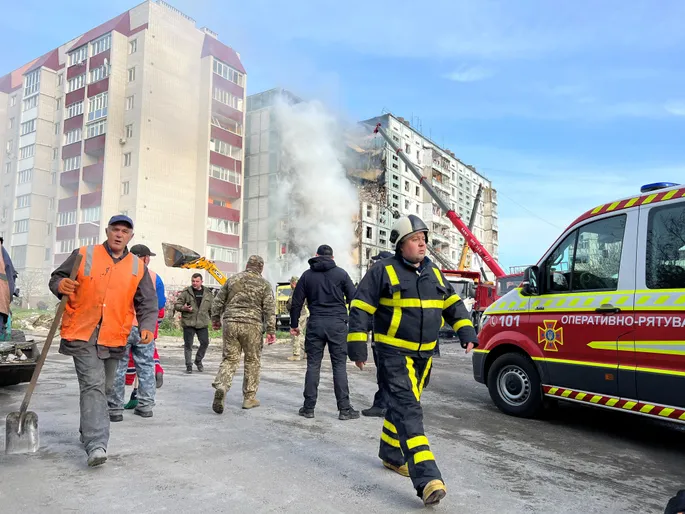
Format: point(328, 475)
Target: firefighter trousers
point(402, 437)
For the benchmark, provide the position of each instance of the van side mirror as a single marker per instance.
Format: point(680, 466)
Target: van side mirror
point(529, 284)
point(472, 290)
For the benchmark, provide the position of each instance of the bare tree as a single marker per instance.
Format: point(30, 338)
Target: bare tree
point(32, 284)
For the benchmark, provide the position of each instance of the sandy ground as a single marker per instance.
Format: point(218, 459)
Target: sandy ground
point(186, 458)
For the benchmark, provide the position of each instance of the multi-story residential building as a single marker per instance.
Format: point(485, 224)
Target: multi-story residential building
point(394, 189)
point(142, 115)
point(265, 231)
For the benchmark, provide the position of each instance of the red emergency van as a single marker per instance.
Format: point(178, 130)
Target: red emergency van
point(600, 320)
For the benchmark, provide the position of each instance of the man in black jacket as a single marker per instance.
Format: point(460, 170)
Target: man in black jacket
point(328, 290)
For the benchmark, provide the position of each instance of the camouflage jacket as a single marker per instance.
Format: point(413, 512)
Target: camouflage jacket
point(246, 298)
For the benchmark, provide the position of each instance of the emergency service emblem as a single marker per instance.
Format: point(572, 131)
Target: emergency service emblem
point(550, 335)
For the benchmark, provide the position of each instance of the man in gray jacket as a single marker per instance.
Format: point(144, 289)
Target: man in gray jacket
point(195, 303)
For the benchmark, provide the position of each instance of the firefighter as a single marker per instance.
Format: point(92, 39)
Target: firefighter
point(406, 297)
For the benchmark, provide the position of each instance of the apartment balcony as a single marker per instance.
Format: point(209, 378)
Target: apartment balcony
point(441, 186)
point(75, 96)
point(225, 240)
point(98, 87)
point(71, 150)
point(90, 229)
point(73, 123)
point(95, 146)
point(99, 59)
point(223, 213)
point(76, 70)
point(227, 267)
point(223, 189)
point(227, 111)
point(89, 200)
point(227, 85)
point(226, 136)
point(93, 174)
point(69, 179)
point(67, 204)
point(225, 162)
point(65, 232)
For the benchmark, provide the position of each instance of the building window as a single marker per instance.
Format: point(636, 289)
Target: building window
point(418, 190)
point(224, 148)
point(127, 159)
point(73, 136)
point(220, 253)
point(132, 74)
point(96, 129)
point(66, 246)
point(47, 254)
point(91, 214)
point(51, 203)
point(30, 103)
point(10, 123)
point(369, 211)
point(9, 146)
point(66, 218)
point(78, 56)
point(88, 241)
point(13, 100)
point(24, 177)
point(406, 205)
point(101, 44)
point(228, 99)
point(99, 73)
point(97, 107)
point(60, 79)
point(224, 174)
point(58, 104)
point(228, 124)
point(76, 83)
point(23, 201)
point(129, 102)
point(72, 163)
point(125, 187)
point(53, 178)
point(132, 46)
point(369, 232)
point(224, 226)
point(8, 167)
point(129, 131)
point(74, 109)
point(228, 73)
point(49, 228)
point(32, 83)
point(406, 185)
point(20, 226)
point(55, 154)
point(57, 125)
point(27, 151)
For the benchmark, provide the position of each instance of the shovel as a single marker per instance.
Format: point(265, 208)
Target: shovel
point(21, 435)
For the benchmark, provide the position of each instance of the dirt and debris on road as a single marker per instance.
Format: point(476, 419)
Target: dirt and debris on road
point(186, 458)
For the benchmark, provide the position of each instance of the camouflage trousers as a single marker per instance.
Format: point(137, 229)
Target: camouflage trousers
point(144, 360)
point(241, 338)
point(298, 341)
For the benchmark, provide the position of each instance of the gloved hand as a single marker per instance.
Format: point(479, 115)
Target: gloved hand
point(67, 286)
point(146, 337)
point(270, 338)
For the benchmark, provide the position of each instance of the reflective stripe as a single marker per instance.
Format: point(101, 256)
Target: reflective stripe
point(422, 456)
point(362, 305)
point(392, 275)
point(412, 303)
point(357, 336)
point(425, 374)
point(401, 343)
point(389, 426)
point(412, 378)
point(451, 301)
point(462, 323)
point(397, 295)
point(136, 263)
point(89, 261)
point(419, 440)
point(392, 442)
point(439, 276)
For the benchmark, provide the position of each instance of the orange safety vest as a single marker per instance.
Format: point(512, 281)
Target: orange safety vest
point(153, 276)
point(5, 298)
point(104, 296)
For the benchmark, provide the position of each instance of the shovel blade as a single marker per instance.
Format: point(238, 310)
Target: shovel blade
point(21, 434)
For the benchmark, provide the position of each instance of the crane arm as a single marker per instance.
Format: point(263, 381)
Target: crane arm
point(208, 265)
point(471, 240)
point(472, 222)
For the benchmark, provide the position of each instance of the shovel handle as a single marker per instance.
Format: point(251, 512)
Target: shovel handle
point(48, 341)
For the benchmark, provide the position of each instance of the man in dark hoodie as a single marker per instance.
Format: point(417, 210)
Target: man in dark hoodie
point(328, 290)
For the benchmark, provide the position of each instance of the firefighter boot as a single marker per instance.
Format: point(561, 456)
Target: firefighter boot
point(434, 491)
point(374, 412)
point(400, 470)
point(218, 404)
point(250, 403)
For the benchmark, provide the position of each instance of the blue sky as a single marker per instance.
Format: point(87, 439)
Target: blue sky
point(564, 105)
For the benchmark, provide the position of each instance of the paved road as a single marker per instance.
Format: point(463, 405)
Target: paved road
point(269, 459)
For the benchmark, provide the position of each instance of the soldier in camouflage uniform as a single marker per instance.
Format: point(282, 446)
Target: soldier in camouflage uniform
point(297, 340)
point(246, 302)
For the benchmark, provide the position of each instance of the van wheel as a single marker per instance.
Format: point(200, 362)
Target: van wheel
point(514, 385)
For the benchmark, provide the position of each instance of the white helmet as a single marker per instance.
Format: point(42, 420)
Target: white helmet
point(405, 226)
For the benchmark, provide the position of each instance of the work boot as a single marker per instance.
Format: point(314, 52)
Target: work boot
point(250, 403)
point(295, 358)
point(400, 470)
point(143, 413)
point(200, 367)
point(348, 413)
point(307, 413)
point(434, 491)
point(96, 457)
point(189, 370)
point(374, 412)
point(218, 404)
point(115, 418)
point(159, 379)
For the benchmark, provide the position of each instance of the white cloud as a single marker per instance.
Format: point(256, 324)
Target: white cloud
point(676, 108)
point(469, 74)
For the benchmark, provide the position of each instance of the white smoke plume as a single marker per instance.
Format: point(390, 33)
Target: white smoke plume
point(320, 204)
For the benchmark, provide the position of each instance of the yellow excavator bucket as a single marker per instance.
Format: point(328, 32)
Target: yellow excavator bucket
point(176, 256)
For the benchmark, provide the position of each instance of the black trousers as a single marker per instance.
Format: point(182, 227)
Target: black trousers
point(402, 437)
point(188, 337)
point(380, 399)
point(323, 331)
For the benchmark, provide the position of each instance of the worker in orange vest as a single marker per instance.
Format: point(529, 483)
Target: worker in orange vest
point(112, 287)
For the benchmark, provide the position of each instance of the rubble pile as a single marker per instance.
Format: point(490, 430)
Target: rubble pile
point(34, 322)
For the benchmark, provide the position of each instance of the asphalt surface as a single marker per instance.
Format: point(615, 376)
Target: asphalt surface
point(186, 458)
